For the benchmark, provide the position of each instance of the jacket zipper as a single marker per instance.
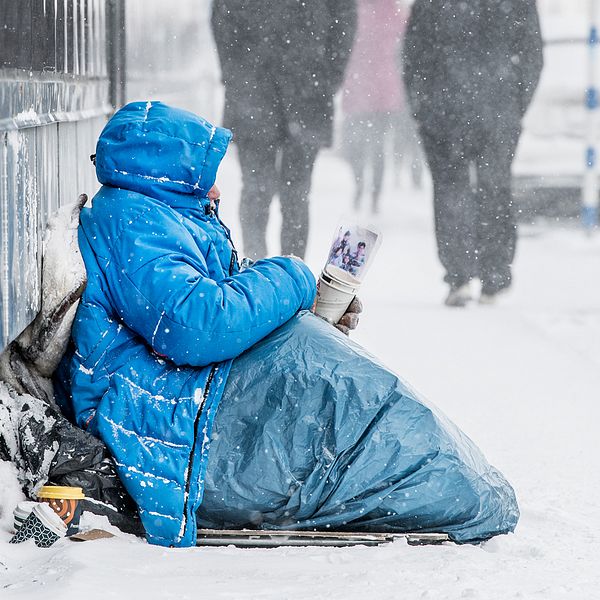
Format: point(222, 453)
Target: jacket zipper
point(193, 452)
point(234, 255)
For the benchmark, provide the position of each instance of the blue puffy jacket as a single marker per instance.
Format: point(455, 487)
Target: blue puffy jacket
point(166, 308)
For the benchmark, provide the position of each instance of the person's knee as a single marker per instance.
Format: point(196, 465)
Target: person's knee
point(258, 183)
point(297, 161)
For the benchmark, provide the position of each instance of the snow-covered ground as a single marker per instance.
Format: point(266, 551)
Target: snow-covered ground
point(522, 378)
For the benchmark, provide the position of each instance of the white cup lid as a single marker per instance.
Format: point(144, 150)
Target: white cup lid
point(49, 518)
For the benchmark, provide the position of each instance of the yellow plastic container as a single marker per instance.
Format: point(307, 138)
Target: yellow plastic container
point(60, 492)
point(64, 501)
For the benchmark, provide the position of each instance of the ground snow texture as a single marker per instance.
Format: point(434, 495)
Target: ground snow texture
point(522, 378)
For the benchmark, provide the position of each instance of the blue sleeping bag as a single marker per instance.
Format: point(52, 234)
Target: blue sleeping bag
point(314, 432)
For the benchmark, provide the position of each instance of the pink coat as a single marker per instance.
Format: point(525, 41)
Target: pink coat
point(373, 81)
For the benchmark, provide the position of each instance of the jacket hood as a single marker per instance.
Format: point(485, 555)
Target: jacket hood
point(155, 149)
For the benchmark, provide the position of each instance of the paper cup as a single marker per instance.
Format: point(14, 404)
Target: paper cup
point(21, 512)
point(336, 290)
point(43, 525)
point(64, 501)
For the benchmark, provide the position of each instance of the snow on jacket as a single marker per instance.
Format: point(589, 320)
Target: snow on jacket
point(165, 310)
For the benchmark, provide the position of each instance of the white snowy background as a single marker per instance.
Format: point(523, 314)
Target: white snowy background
point(522, 378)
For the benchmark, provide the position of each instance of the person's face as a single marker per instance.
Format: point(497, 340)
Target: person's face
point(213, 195)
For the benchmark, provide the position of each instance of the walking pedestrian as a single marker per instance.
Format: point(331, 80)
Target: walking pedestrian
point(282, 63)
point(470, 70)
point(372, 93)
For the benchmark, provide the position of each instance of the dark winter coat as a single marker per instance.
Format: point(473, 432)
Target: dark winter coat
point(165, 309)
point(471, 63)
point(282, 62)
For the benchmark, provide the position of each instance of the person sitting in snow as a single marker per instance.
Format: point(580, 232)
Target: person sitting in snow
point(223, 400)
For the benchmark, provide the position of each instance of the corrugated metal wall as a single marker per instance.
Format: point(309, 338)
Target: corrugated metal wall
point(54, 98)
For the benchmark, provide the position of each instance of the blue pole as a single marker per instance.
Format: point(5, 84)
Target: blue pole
point(589, 205)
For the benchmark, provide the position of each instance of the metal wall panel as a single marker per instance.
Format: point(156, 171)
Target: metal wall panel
point(24, 290)
point(76, 141)
point(47, 170)
point(20, 232)
point(54, 100)
point(41, 169)
point(63, 74)
point(4, 276)
point(87, 136)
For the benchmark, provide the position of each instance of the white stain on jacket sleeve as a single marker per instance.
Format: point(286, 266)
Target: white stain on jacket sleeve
point(146, 440)
point(162, 314)
point(146, 475)
point(198, 396)
point(162, 179)
point(136, 390)
point(205, 438)
point(157, 514)
point(86, 371)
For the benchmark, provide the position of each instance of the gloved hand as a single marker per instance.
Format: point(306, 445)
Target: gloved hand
point(350, 318)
